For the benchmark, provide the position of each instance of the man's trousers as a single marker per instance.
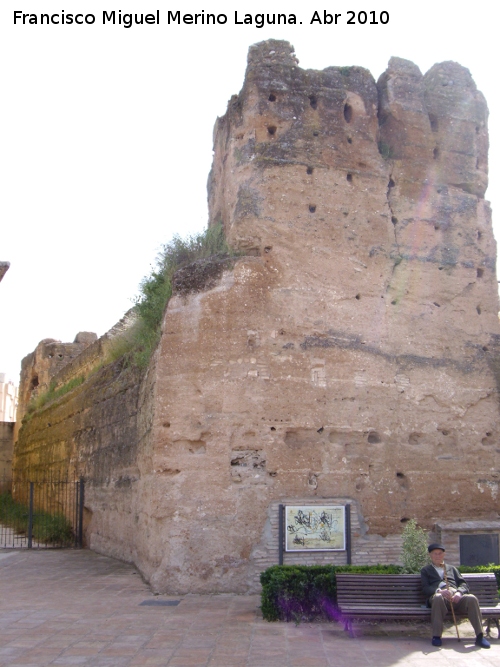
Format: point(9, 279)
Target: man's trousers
point(468, 605)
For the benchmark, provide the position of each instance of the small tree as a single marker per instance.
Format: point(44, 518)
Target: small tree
point(414, 553)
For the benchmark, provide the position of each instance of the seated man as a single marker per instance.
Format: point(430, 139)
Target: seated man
point(444, 589)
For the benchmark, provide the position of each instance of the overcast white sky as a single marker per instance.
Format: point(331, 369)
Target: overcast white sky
point(106, 136)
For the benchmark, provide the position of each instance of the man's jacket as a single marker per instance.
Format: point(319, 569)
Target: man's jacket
point(431, 580)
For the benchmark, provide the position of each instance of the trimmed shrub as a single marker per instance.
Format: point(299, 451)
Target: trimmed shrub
point(481, 569)
point(305, 592)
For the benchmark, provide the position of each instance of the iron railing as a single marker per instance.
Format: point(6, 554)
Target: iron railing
point(42, 514)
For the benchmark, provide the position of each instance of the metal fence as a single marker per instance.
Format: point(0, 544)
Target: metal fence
point(41, 514)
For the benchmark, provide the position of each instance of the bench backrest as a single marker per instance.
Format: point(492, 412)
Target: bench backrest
point(484, 587)
point(405, 589)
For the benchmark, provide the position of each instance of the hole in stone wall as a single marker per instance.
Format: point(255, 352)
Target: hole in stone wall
point(273, 428)
point(434, 122)
point(358, 296)
point(349, 140)
point(394, 220)
point(315, 133)
point(166, 424)
point(485, 349)
point(399, 474)
point(34, 382)
point(478, 309)
point(248, 458)
point(60, 356)
point(349, 178)
point(312, 208)
point(309, 170)
point(374, 438)
point(348, 112)
point(313, 100)
point(404, 519)
point(272, 97)
point(391, 183)
point(394, 302)
point(436, 153)
point(272, 129)
point(479, 273)
point(437, 304)
point(268, 248)
point(479, 234)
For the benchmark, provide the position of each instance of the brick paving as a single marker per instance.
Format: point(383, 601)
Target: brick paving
point(76, 608)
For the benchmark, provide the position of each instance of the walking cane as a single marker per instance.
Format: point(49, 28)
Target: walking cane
point(451, 602)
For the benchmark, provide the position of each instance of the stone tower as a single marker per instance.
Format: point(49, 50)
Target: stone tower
point(351, 354)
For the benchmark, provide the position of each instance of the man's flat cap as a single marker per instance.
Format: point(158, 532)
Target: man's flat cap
point(435, 545)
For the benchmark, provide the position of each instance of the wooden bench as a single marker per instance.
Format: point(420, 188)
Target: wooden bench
point(400, 597)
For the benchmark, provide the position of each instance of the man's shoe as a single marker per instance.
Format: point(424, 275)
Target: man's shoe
point(436, 641)
point(482, 642)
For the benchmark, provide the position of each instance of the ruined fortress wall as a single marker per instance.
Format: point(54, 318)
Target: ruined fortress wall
point(96, 431)
point(6, 451)
point(351, 353)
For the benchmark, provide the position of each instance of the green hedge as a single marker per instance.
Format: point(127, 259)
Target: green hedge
point(298, 592)
point(305, 592)
point(482, 568)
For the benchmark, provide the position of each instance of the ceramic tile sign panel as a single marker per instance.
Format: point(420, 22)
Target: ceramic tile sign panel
point(315, 528)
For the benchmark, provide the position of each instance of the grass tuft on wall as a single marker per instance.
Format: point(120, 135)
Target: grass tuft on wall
point(156, 289)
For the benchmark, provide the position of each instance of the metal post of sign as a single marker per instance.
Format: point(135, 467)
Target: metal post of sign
point(348, 532)
point(281, 531)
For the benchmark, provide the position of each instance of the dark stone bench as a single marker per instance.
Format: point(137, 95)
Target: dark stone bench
point(400, 597)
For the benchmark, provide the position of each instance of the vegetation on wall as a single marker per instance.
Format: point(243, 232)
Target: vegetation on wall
point(51, 394)
point(136, 344)
point(156, 290)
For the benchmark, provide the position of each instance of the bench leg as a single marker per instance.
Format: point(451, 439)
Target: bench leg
point(488, 626)
point(348, 627)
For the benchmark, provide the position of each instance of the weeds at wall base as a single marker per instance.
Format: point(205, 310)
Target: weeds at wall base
point(48, 528)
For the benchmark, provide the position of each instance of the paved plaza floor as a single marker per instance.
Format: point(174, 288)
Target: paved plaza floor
point(70, 608)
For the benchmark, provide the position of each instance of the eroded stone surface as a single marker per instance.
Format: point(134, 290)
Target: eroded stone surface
point(354, 355)
point(350, 355)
